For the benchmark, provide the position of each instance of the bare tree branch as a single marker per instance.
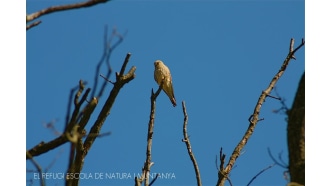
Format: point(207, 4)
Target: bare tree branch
point(78, 104)
point(222, 158)
point(53, 9)
point(86, 114)
point(188, 145)
point(81, 148)
point(68, 112)
point(76, 164)
point(43, 147)
point(254, 118)
point(108, 48)
point(284, 108)
point(76, 150)
point(76, 121)
point(121, 80)
point(147, 164)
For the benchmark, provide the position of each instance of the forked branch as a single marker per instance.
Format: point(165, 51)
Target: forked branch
point(121, 80)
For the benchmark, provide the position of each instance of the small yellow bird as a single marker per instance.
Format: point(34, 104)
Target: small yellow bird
point(162, 73)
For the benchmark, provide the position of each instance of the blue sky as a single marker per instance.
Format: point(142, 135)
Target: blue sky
point(221, 54)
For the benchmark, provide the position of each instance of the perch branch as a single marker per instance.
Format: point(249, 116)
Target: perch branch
point(147, 164)
point(188, 145)
point(254, 117)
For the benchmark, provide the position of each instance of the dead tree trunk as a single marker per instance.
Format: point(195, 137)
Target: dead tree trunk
point(296, 135)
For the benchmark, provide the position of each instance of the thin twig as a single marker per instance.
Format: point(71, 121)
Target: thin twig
point(275, 161)
point(280, 157)
point(108, 48)
point(103, 134)
point(33, 25)
point(263, 170)
point(153, 181)
point(188, 145)
point(282, 100)
point(278, 98)
point(98, 66)
point(254, 117)
point(51, 125)
point(229, 180)
point(105, 78)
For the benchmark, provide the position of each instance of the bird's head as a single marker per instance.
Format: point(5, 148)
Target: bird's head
point(157, 63)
